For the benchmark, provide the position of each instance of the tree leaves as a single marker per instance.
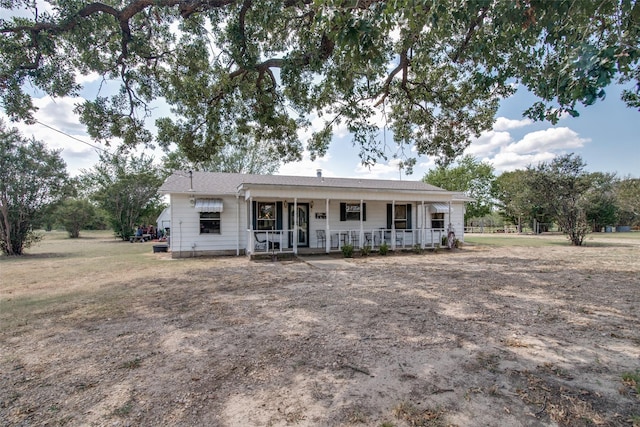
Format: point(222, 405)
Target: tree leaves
point(124, 187)
point(31, 179)
point(434, 72)
point(469, 176)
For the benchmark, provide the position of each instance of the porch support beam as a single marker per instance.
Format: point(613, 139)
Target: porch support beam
point(327, 232)
point(295, 225)
point(393, 225)
point(422, 226)
point(238, 225)
point(361, 237)
point(250, 236)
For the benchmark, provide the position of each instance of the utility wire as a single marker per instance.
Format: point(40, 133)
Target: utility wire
point(73, 137)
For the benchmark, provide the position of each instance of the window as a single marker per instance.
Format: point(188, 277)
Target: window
point(400, 218)
point(353, 211)
point(209, 222)
point(437, 220)
point(266, 216)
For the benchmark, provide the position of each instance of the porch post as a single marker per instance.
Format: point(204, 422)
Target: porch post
point(393, 225)
point(250, 236)
point(295, 225)
point(238, 225)
point(361, 238)
point(327, 231)
point(422, 227)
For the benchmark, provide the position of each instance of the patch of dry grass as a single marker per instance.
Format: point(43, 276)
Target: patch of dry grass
point(418, 417)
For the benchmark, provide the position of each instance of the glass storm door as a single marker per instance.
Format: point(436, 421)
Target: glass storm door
point(302, 213)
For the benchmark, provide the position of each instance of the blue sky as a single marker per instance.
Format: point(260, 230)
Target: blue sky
point(606, 136)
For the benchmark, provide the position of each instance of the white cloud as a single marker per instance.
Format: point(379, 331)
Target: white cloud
point(509, 161)
point(388, 170)
point(499, 147)
point(60, 112)
point(307, 167)
point(317, 124)
point(488, 143)
point(561, 138)
point(503, 123)
point(428, 163)
point(87, 78)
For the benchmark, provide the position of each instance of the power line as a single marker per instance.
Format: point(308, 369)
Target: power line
point(73, 137)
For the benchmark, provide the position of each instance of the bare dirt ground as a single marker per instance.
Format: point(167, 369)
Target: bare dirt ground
point(481, 336)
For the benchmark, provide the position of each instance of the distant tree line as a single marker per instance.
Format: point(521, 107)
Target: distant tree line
point(560, 191)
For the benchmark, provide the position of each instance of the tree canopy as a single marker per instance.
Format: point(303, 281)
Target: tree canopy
point(74, 215)
point(432, 71)
point(126, 188)
point(563, 190)
point(627, 192)
point(470, 176)
point(31, 179)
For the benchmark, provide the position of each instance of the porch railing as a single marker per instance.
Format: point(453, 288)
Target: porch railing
point(402, 239)
point(276, 241)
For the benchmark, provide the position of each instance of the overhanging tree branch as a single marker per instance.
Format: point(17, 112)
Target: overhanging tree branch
point(454, 60)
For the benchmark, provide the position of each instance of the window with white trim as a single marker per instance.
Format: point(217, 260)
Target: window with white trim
point(209, 222)
point(437, 220)
point(400, 217)
point(352, 211)
point(266, 219)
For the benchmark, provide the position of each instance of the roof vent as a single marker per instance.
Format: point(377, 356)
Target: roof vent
point(319, 173)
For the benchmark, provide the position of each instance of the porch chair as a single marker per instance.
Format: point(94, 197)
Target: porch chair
point(261, 245)
point(368, 239)
point(321, 238)
point(387, 237)
point(355, 238)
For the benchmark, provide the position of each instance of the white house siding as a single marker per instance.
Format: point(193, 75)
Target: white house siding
point(186, 240)
point(457, 219)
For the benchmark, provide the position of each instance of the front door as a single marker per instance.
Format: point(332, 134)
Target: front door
point(302, 213)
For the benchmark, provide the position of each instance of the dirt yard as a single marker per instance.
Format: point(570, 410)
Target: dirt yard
point(481, 336)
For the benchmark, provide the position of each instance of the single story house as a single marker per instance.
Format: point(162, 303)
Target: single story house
point(235, 214)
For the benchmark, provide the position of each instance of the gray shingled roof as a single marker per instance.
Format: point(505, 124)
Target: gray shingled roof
point(228, 183)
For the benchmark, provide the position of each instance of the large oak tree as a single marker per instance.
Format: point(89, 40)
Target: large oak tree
point(433, 71)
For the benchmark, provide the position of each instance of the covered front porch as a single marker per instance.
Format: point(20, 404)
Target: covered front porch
point(302, 225)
